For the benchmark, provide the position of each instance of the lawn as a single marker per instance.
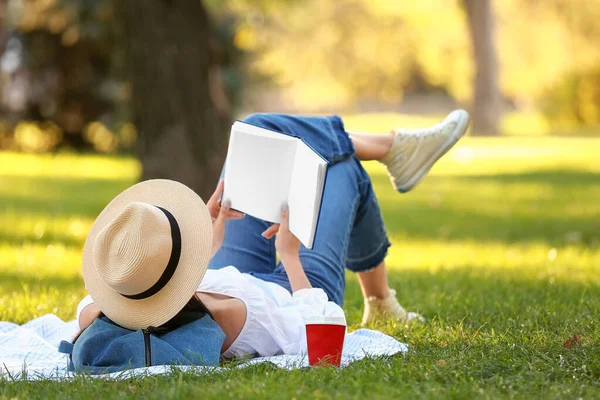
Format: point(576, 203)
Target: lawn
point(499, 248)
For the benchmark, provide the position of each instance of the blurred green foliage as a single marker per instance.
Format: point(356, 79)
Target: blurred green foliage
point(575, 101)
point(309, 56)
point(76, 77)
point(328, 54)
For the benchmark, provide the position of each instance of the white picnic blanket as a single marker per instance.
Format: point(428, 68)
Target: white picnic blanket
point(30, 352)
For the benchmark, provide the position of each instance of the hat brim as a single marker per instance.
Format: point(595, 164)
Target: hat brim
point(195, 224)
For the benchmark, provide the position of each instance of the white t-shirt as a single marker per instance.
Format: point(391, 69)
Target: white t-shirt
point(274, 317)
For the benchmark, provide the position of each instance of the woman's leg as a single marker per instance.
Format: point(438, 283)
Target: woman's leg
point(409, 154)
point(379, 299)
point(343, 199)
point(367, 250)
point(245, 248)
point(350, 231)
point(243, 245)
point(371, 146)
point(374, 282)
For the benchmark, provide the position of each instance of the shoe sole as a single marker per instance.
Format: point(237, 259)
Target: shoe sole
point(459, 131)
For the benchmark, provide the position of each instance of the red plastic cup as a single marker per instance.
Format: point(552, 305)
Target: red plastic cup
point(325, 340)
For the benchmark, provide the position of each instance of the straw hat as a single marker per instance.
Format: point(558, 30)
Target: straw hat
point(147, 252)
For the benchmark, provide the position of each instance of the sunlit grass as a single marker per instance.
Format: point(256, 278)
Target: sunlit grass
point(499, 248)
point(68, 166)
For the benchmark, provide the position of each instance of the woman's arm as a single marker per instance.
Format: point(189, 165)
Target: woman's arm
point(220, 213)
point(88, 315)
point(288, 247)
point(285, 323)
point(296, 274)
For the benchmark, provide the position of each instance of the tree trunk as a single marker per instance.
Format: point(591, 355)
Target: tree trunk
point(486, 102)
point(177, 98)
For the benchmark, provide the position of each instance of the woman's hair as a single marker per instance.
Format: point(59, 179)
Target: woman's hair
point(193, 310)
point(194, 306)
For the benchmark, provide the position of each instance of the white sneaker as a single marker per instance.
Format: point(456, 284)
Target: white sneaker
point(388, 308)
point(414, 152)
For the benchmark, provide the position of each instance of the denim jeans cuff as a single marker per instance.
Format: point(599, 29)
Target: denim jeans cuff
point(370, 261)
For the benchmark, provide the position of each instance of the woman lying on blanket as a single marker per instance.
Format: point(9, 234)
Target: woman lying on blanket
point(150, 250)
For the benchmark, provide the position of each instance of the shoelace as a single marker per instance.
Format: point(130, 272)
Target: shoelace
point(392, 293)
point(427, 133)
point(401, 155)
point(419, 136)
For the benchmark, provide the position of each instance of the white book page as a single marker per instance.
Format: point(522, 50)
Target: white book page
point(258, 173)
point(305, 193)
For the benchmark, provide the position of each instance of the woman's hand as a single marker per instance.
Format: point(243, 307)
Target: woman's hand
point(288, 247)
point(220, 213)
point(286, 243)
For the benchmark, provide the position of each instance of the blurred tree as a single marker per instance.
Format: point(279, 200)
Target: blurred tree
point(2, 25)
point(486, 100)
point(326, 55)
point(574, 101)
point(68, 62)
point(178, 102)
point(358, 55)
point(571, 100)
point(60, 67)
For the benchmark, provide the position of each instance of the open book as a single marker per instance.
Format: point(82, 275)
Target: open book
point(266, 170)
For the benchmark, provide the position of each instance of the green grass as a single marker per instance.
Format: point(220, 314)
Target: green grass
point(499, 248)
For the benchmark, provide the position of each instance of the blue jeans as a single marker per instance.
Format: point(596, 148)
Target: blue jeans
point(350, 232)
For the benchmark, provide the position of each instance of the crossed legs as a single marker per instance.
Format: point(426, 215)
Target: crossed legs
point(352, 234)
